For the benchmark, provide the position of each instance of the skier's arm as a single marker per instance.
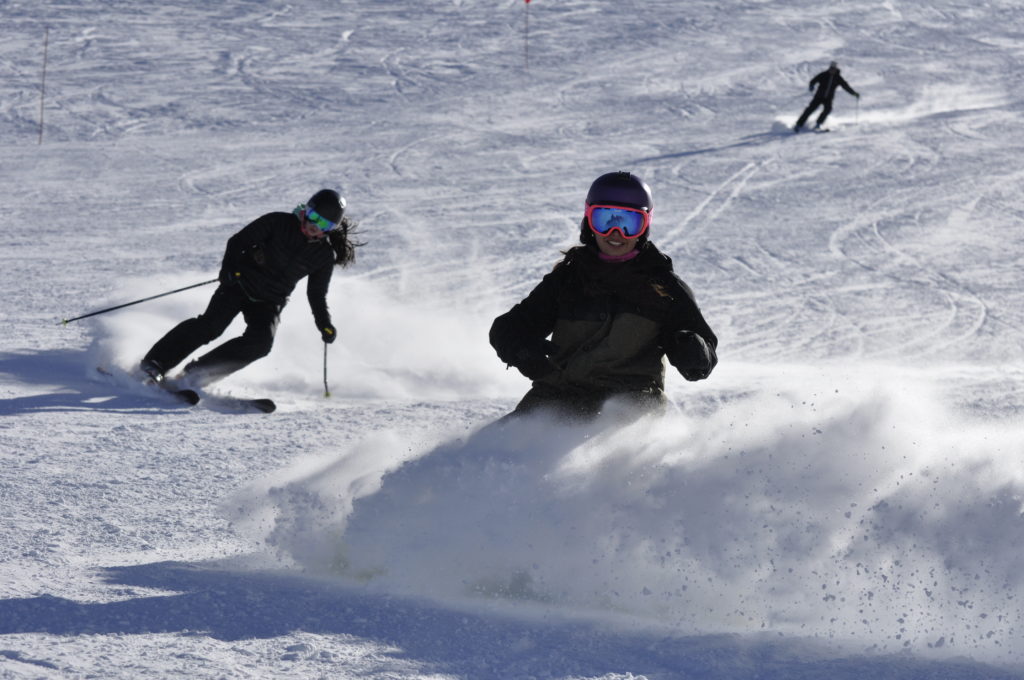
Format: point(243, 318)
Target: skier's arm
point(814, 81)
point(519, 335)
point(846, 86)
point(316, 292)
point(689, 343)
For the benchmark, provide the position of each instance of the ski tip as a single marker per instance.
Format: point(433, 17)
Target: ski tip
point(263, 405)
point(188, 396)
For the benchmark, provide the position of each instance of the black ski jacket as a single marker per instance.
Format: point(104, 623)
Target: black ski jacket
point(270, 255)
point(611, 325)
point(827, 81)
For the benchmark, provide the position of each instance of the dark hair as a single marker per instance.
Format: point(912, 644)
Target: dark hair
point(343, 246)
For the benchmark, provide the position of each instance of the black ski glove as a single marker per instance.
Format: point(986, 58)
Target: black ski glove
point(533, 361)
point(328, 333)
point(691, 355)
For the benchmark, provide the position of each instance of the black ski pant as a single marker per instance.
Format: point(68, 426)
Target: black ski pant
point(261, 319)
point(587, 405)
point(826, 105)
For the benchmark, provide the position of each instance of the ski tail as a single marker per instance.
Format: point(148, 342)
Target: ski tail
point(190, 397)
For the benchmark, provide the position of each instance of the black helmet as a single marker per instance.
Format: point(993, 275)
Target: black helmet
point(620, 188)
point(328, 203)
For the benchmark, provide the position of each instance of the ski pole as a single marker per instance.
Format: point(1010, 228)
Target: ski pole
point(327, 391)
point(65, 322)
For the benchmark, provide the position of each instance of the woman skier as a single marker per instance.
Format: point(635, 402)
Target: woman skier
point(262, 264)
point(613, 308)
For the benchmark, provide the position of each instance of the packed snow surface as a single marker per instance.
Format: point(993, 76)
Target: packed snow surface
point(842, 498)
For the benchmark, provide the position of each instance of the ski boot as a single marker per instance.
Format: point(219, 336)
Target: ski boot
point(153, 370)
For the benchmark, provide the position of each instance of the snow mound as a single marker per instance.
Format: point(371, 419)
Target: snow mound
point(857, 517)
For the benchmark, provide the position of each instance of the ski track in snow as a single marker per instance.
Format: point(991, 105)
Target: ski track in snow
point(842, 497)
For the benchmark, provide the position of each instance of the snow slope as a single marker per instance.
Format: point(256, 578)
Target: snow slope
point(842, 497)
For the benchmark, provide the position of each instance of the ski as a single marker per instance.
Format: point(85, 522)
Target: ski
point(262, 405)
point(241, 404)
point(190, 397)
point(194, 397)
point(265, 405)
point(236, 404)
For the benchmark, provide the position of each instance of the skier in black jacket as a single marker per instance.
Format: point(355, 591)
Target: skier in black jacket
point(614, 310)
point(827, 81)
point(262, 264)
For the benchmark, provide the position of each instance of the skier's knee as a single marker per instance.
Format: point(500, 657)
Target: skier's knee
point(259, 344)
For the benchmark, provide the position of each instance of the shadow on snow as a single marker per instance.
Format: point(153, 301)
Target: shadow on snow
point(228, 605)
point(69, 381)
point(758, 139)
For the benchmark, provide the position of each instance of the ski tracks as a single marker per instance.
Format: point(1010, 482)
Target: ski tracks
point(717, 202)
point(930, 310)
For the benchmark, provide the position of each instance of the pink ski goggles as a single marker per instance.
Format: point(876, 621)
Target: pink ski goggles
point(604, 219)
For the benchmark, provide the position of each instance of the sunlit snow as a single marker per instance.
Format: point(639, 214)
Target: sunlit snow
point(842, 498)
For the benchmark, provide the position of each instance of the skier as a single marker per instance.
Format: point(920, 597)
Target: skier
point(614, 309)
point(261, 265)
point(827, 81)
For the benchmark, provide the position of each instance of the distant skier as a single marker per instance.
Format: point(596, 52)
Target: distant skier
point(262, 264)
point(827, 81)
point(614, 309)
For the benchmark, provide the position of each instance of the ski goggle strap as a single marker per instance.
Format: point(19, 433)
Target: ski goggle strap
point(631, 223)
point(320, 221)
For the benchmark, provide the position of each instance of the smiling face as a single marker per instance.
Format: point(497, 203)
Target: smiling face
point(616, 229)
point(614, 245)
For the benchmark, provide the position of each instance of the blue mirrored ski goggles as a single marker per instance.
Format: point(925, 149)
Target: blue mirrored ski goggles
point(320, 221)
point(631, 223)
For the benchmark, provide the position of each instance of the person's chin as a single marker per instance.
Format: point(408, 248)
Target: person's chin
point(616, 250)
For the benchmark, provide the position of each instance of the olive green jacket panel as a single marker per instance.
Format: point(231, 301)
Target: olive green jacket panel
point(618, 353)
